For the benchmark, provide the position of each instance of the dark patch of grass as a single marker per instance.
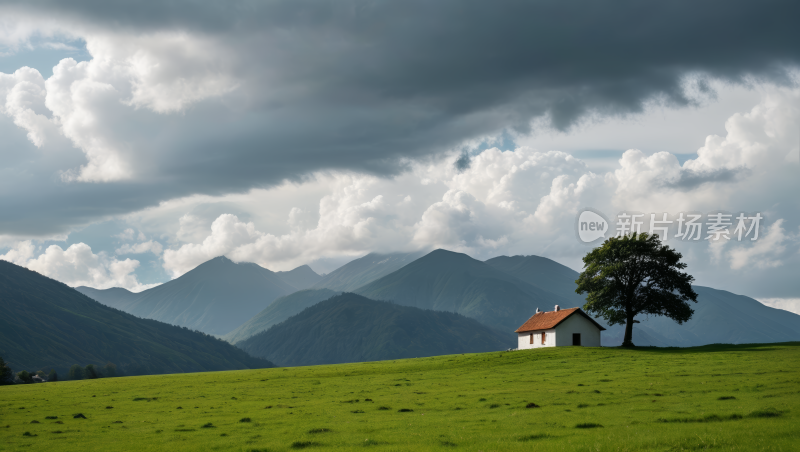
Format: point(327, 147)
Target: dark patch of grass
point(184, 430)
point(448, 444)
point(598, 392)
point(605, 381)
point(588, 425)
point(727, 398)
point(357, 411)
point(109, 407)
point(769, 412)
point(179, 408)
point(481, 400)
point(368, 400)
point(533, 437)
point(494, 405)
point(34, 421)
point(78, 416)
point(223, 434)
point(372, 442)
point(583, 405)
point(51, 417)
point(708, 418)
point(244, 419)
point(532, 405)
point(146, 399)
point(303, 444)
point(208, 425)
point(580, 384)
point(319, 430)
point(57, 431)
point(59, 422)
point(117, 422)
point(405, 410)
point(29, 434)
point(659, 395)
point(384, 408)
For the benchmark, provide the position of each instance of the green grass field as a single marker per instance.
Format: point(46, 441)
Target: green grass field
point(743, 397)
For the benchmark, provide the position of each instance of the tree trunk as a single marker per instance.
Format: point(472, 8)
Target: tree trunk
point(628, 340)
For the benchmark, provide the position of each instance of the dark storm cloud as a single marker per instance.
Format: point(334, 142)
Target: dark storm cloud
point(363, 85)
point(690, 179)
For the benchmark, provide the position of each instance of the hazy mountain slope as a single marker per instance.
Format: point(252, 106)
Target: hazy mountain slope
point(447, 281)
point(723, 317)
point(351, 328)
point(543, 273)
point(45, 324)
point(364, 270)
point(720, 316)
point(216, 297)
point(280, 310)
point(115, 297)
point(300, 278)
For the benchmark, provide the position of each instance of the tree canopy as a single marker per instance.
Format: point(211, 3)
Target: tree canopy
point(636, 274)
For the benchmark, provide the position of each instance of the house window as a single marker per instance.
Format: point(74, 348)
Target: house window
point(531, 338)
point(544, 337)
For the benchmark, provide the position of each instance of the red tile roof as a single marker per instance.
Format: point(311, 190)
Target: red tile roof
point(548, 320)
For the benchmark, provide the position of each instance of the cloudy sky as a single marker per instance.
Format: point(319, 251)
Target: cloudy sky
point(142, 139)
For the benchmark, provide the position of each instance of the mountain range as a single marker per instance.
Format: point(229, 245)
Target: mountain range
point(364, 270)
point(215, 297)
point(447, 281)
point(501, 293)
point(351, 328)
point(45, 325)
point(278, 311)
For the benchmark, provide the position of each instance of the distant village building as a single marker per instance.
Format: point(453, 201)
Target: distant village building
point(559, 328)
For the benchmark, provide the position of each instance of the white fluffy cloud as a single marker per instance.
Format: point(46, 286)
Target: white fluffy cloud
point(22, 97)
point(77, 266)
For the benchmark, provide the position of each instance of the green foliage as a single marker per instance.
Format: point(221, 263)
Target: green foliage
point(56, 326)
point(635, 274)
point(76, 372)
point(24, 376)
point(6, 374)
point(90, 372)
point(52, 376)
point(110, 370)
point(307, 404)
point(351, 328)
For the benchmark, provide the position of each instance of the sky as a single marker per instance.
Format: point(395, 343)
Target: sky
point(140, 139)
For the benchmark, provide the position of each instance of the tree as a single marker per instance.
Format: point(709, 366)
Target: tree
point(110, 370)
point(24, 376)
point(76, 372)
point(635, 274)
point(90, 372)
point(6, 374)
point(53, 376)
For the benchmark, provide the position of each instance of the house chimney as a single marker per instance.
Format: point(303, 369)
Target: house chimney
point(537, 310)
point(557, 308)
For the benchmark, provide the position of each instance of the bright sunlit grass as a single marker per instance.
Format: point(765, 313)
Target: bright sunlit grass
point(716, 397)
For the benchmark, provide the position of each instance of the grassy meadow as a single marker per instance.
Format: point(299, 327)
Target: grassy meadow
point(744, 397)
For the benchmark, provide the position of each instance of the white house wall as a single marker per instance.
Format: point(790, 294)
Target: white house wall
point(524, 339)
point(576, 323)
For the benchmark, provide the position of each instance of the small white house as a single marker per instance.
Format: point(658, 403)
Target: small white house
point(559, 328)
